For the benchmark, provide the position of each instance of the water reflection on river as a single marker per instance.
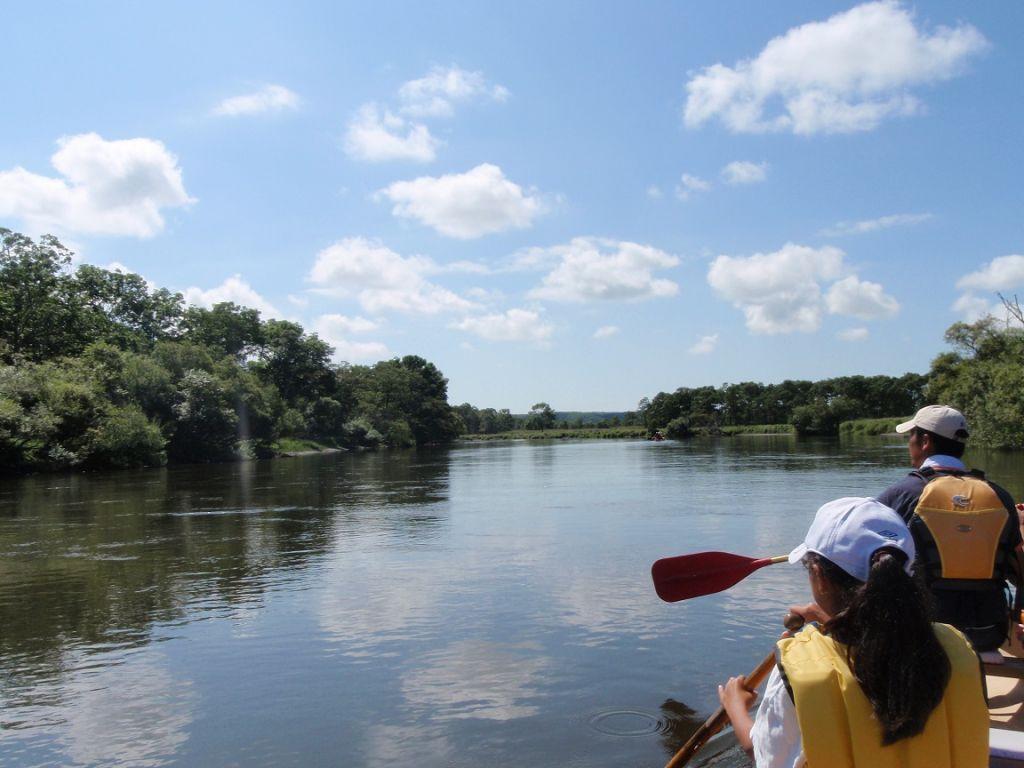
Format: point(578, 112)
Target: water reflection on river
point(487, 604)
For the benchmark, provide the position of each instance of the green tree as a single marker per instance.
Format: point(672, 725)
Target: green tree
point(120, 309)
point(470, 418)
point(541, 416)
point(409, 390)
point(326, 418)
point(36, 307)
point(124, 437)
point(228, 328)
point(296, 362)
point(206, 426)
point(983, 378)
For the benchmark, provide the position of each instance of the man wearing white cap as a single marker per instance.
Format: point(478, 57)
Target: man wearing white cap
point(965, 527)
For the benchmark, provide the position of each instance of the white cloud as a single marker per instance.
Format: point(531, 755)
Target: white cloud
point(705, 345)
point(336, 329)
point(1003, 273)
point(513, 325)
point(592, 269)
point(873, 225)
point(270, 98)
point(465, 205)
point(465, 267)
point(654, 192)
point(340, 324)
point(853, 334)
point(845, 74)
point(534, 259)
point(382, 279)
point(606, 331)
point(861, 299)
point(690, 185)
point(973, 307)
point(233, 289)
point(486, 295)
point(108, 188)
point(745, 172)
point(378, 134)
point(435, 94)
point(778, 292)
point(298, 301)
point(375, 136)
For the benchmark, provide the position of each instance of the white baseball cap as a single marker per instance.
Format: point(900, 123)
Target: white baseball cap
point(940, 419)
point(850, 530)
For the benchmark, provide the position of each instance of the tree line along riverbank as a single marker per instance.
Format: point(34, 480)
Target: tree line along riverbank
point(98, 369)
point(846, 428)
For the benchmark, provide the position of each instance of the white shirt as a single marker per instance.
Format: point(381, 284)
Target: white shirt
point(939, 460)
point(776, 732)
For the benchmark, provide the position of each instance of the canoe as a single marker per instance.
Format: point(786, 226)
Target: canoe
point(1004, 679)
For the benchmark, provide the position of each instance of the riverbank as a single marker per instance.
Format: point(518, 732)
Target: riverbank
point(299, 446)
point(630, 432)
point(291, 448)
point(872, 427)
point(584, 433)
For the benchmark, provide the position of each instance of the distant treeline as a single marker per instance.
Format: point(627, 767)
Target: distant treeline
point(488, 421)
point(98, 369)
point(812, 407)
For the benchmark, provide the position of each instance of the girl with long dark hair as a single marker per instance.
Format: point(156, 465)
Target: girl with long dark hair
point(877, 685)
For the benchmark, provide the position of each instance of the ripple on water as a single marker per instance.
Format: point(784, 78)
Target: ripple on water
point(627, 722)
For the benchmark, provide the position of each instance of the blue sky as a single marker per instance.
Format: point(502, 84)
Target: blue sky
point(581, 203)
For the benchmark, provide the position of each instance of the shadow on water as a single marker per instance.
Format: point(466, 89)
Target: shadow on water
point(680, 722)
point(93, 561)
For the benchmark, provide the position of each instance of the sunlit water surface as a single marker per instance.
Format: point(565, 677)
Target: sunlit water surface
point(489, 604)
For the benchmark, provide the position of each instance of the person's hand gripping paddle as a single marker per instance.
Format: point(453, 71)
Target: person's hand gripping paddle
point(703, 573)
point(719, 719)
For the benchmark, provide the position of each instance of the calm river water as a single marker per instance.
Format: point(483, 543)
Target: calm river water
point(485, 605)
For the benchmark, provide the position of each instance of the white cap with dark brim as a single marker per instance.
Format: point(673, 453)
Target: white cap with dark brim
point(850, 530)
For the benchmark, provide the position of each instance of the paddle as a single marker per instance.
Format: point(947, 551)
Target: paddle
point(720, 719)
point(703, 573)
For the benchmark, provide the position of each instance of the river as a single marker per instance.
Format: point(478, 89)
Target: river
point(487, 604)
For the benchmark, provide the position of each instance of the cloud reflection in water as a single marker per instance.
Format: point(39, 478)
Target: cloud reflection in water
point(478, 679)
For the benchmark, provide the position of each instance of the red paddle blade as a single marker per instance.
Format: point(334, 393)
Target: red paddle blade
point(703, 573)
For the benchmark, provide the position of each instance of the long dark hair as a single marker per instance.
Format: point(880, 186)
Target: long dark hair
point(891, 647)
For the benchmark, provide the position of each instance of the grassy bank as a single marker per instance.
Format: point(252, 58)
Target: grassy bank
point(871, 426)
point(748, 429)
point(596, 433)
point(288, 445)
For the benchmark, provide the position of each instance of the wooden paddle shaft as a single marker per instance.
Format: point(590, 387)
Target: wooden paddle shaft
point(720, 719)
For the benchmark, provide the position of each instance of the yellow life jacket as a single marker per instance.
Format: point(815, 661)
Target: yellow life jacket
point(960, 524)
point(839, 729)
